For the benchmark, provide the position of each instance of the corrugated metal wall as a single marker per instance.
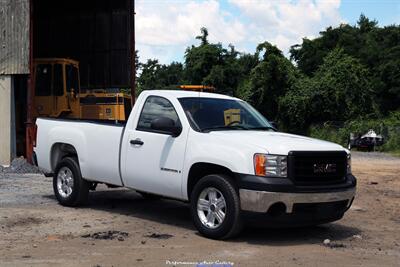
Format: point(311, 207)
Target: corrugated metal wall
point(14, 37)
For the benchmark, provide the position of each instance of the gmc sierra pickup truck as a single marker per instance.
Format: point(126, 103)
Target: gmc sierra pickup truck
point(213, 151)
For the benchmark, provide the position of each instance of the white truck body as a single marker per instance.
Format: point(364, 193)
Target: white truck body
point(161, 165)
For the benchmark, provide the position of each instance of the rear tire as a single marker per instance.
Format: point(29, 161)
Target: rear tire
point(69, 187)
point(215, 207)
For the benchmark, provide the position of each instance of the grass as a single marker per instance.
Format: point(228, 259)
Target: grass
point(388, 127)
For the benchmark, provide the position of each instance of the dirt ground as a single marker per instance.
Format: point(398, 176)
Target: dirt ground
point(36, 231)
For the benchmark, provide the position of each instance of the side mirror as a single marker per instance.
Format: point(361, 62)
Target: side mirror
point(166, 126)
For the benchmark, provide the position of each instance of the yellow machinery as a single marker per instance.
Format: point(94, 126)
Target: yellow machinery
point(57, 94)
point(105, 106)
point(231, 115)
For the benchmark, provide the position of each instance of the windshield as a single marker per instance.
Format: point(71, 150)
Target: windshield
point(211, 114)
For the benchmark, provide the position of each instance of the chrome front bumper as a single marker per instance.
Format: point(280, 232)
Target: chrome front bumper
point(261, 201)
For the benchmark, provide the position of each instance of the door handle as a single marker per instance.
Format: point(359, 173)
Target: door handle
point(137, 142)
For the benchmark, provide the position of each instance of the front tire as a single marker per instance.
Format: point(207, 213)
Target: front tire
point(215, 207)
point(69, 187)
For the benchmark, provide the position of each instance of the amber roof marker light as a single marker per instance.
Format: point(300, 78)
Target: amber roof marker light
point(197, 88)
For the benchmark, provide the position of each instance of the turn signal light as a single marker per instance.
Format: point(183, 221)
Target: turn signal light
point(259, 164)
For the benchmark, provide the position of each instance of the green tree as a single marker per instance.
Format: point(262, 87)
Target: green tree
point(341, 89)
point(212, 64)
point(158, 76)
point(199, 61)
point(270, 79)
point(204, 36)
point(375, 47)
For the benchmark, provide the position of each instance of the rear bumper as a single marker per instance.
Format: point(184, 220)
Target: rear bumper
point(262, 201)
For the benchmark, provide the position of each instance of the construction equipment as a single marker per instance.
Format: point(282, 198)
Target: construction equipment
point(100, 105)
point(58, 94)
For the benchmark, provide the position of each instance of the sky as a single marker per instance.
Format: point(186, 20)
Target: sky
point(165, 28)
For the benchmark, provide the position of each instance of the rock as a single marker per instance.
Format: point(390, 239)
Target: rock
point(34, 245)
point(330, 244)
point(159, 236)
point(108, 235)
point(53, 238)
point(143, 242)
point(357, 208)
point(337, 245)
point(20, 165)
point(357, 237)
point(120, 238)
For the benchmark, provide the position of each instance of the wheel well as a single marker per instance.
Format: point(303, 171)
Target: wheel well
point(201, 169)
point(60, 151)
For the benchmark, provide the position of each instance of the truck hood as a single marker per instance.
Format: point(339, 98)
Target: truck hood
point(275, 142)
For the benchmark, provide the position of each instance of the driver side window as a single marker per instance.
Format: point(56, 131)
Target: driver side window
point(156, 107)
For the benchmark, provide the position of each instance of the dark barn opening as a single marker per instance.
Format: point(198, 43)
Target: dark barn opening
point(95, 33)
point(20, 106)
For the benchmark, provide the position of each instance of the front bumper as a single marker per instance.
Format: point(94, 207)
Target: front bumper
point(262, 201)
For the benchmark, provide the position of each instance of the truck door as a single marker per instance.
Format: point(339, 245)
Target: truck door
point(154, 160)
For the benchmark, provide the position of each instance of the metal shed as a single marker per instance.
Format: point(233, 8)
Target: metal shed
point(97, 33)
point(14, 26)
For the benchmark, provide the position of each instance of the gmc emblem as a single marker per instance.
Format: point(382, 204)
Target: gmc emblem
point(324, 168)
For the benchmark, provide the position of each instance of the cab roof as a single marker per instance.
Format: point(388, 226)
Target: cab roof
point(183, 94)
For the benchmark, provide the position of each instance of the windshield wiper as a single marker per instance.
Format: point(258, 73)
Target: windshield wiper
point(219, 128)
point(263, 128)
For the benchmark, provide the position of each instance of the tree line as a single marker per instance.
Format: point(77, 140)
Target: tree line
point(348, 72)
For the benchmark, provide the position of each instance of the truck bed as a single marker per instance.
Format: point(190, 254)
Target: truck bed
point(97, 144)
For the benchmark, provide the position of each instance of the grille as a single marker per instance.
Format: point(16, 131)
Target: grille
point(317, 167)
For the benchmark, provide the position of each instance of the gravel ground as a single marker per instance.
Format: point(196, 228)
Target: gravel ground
point(373, 156)
point(119, 228)
point(19, 165)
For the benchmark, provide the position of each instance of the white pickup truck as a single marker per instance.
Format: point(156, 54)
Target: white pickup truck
point(213, 151)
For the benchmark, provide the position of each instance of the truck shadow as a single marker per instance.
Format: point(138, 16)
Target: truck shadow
point(296, 236)
point(130, 203)
point(171, 212)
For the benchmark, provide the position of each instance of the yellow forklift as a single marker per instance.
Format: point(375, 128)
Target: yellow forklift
point(58, 94)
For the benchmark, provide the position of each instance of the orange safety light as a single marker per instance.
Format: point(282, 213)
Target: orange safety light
point(200, 88)
point(259, 164)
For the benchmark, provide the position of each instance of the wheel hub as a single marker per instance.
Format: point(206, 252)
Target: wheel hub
point(211, 207)
point(65, 182)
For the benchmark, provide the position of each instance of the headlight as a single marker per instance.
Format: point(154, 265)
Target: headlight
point(349, 163)
point(270, 165)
